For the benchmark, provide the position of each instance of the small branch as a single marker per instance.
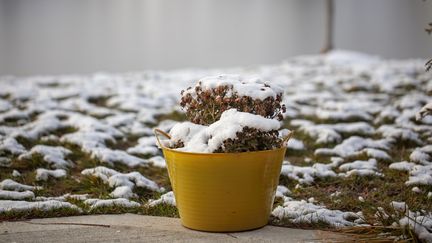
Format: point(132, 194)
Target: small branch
point(98, 225)
point(233, 236)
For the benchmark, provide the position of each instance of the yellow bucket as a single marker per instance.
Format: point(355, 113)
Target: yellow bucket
point(223, 192)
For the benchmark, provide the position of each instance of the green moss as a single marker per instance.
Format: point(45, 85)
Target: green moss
point(64, 130)
point(30, 164)
point(37, 213)
point(99, 101)
point(27, 143)
point(93, 186)
point(80, 159)
point(124, 144)
point(161, 210)
point(174, 115)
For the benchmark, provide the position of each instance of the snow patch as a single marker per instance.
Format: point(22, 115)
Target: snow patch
point(22, 206)
point(44, 174)
point(355, 146)
point(9, 184)
point(123, 183)
point(11, 145)
point(55, 156)
point(167, 198)
point(302, 212)
point(360, 167)
point(119, 202)
point(307, 174)
point(16, 195)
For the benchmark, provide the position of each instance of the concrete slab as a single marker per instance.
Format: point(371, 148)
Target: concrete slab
point(140, 228)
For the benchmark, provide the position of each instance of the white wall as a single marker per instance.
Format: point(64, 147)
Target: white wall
point(73, 36)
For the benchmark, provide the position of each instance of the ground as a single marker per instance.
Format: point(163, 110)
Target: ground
point(360, 161)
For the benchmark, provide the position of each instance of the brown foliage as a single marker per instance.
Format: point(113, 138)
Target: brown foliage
point(251, 139)
point(206, 106)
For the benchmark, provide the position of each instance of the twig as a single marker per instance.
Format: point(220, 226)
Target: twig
point(98, 225)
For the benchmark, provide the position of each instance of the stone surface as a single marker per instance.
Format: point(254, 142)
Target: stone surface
point(139, 228)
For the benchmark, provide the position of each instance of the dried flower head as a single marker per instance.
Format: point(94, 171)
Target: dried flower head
point(251, 139)
point(210, 97)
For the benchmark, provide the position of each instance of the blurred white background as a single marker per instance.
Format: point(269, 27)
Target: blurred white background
point(67, 36)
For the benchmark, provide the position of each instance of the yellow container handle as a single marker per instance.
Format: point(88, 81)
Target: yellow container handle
point(286, 138)
point(158, 132)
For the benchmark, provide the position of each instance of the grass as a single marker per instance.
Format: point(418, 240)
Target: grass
point(158, 210)
point(38, 213)
point(174, 115)
point(99, 101)
point(376, 191)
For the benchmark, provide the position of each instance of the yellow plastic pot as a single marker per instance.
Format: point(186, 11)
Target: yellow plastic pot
point(223, 192)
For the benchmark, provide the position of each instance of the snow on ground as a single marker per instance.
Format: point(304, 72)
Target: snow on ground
point(55, 156)
point(12, 185)
point(10, 145)
point(121, 202)
point(306, 175)
point(306, 213)
point(295, 144)
point(16, 195)
point(44, 174)
point(355, 146)
point(331, 133)
point(421, 224)
point(361, 168)
point(353, 115)
point(80, 197)
point(167, 198)
point(110, 157)
point(19, 206)
point(123, 183)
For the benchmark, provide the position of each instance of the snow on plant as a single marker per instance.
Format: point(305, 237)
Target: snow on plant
point(229, 114)
point(211, 96)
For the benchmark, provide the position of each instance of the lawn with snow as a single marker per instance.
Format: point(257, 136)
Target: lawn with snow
point(362, 146)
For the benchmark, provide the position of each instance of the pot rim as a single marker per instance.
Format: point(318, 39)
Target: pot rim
point(158, 131)
point(221, 154)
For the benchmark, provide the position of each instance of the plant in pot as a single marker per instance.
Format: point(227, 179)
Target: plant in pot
point(224, 163)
